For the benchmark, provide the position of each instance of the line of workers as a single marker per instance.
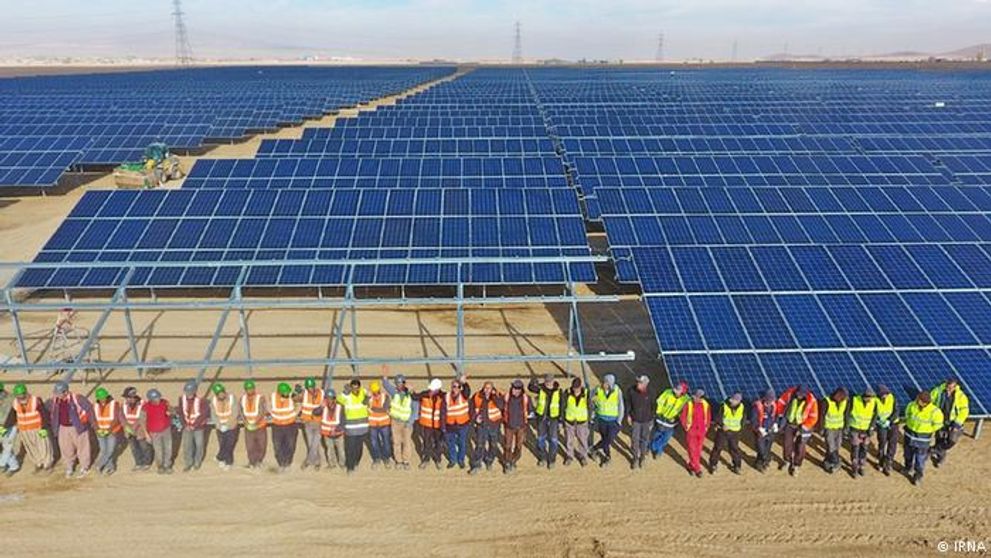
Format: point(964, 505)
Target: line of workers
point(387, 417)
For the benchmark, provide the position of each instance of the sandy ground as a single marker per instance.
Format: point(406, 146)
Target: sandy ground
point(565, 512)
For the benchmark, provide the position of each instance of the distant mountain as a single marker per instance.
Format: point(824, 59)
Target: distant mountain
point(968, 53)
point(788, 57)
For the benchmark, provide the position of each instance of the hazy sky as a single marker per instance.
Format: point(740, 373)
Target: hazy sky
point(483, 29)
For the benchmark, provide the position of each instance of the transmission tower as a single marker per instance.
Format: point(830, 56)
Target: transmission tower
point(518, 45)
point(736, 48)
point(659, 55)
point(183, 52)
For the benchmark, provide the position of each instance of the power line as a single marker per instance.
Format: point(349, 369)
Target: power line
point(518, 45)
point(659, 54)
point(183, 52)
point(736, 48)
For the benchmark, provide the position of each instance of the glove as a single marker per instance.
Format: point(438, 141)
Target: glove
point(3, 431)
point(102, 433)
point(762, 431)
point(223, 428)
point(42, 433)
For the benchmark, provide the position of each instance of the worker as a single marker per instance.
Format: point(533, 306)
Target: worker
point(800, 411)
point(486, 415)
point(32, 436)
point(640, 417)
point(955, 405)
point(431, 422)
point(515, 412)
point(695, 420)
point(355, 402)
point(332, 430)
point(860, 422)
point(403, 411)
point(729, 423)
point(309, 416)
point(252, 411)
point(379, 426)
point(666, 414)
point(547, 410)
point(456, 421)
point(193, 413)
point(156, 419)
point(284, 411)
point(134, 431)
point(71, 415)
point(223, 412)
point(8, 434)
point(577, 409)
point(923, 419)
point(609, 411)
point(107, 413)
point(887, 420)
point(765, 421)
point(833, 425)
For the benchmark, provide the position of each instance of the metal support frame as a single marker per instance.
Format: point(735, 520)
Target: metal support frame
point(347, 307)
point(977, 428)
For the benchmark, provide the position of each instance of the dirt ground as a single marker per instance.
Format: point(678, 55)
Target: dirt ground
point(565, 512)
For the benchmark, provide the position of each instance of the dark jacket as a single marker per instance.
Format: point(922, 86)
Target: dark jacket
point(536, 387)
point(516, 410)
point(640, 406)
point(77, 423)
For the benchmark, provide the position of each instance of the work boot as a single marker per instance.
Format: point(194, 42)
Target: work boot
point(474, 470)
point(488, 467)
point(698, 474)
point(550, 465)
point(540, 463)
point(437, 465)
point(68, 473)
point(461, 465)
point(387, 464)
point(423, 465)
point(735, 469)
point(450, 464)
point(791, 470)
point(917, 479)
point(582, 461)
point(713, 468)
point(886, 469)
point(375, 464)
point(640, 463)
point(567, 461)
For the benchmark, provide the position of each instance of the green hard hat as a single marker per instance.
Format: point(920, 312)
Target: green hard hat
point(20, 389)
point(310, 383)
point(249, 384)
point(218, 388)
point(102, 393)
point(285, 389)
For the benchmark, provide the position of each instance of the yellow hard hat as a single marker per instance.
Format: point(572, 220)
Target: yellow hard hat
point(375, 386)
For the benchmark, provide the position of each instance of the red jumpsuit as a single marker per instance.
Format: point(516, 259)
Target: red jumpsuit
point(695, 419)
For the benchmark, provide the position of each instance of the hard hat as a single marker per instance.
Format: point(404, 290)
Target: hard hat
point(20, 389)
point(154, 394)
point(284, 389)
point(330, 393)
point(190, 387)
point(218, 388)
point(249, 384)
point(400, 379)
point(61, 387)
point(375, 386)
point(130, 391)
point(435, 384)
point(310, 383)
point(101, 394)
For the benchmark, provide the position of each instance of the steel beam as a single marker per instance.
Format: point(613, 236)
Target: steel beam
point(94, 333)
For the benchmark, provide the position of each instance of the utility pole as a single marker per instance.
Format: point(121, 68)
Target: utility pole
point(659, 55)
point(736, 47)
point(518, 45)
point(183, 52)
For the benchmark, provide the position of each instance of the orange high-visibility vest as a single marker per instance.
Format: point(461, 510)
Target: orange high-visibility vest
point(378, 419)
point(223, 416)
point(310, 405)
point(457, 410)
point(251, 411)
point(131, 418)
point(28, 414)
point(105, 415)
point(330, 423)
point(283, 410)
point(429, 412)
point(490, 407)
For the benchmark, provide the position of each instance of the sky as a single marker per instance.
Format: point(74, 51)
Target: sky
point(483, 29)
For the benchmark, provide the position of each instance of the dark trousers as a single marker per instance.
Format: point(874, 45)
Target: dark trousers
point(381, 443)
point(640, 439)
point(226, 442)
point(726, 439)
point(142, 452)
point(256, 444)
point(456, 438)
point(607, 435)
point(916, 454)
point(284, 442)
point(946, 439)
point(354, 447)
point(859, 440)
point(547, 439)
point(486, 439)
point(887, 444)
point(795, 441)
point(764, 445)
point(433, 444)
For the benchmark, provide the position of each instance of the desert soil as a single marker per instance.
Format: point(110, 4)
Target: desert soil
point(568, 512)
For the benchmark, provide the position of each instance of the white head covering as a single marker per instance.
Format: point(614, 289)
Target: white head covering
point(435, 384)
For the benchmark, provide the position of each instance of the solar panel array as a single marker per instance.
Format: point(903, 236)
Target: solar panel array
point(829, 228)
point(49, 124)
point(300, 201)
